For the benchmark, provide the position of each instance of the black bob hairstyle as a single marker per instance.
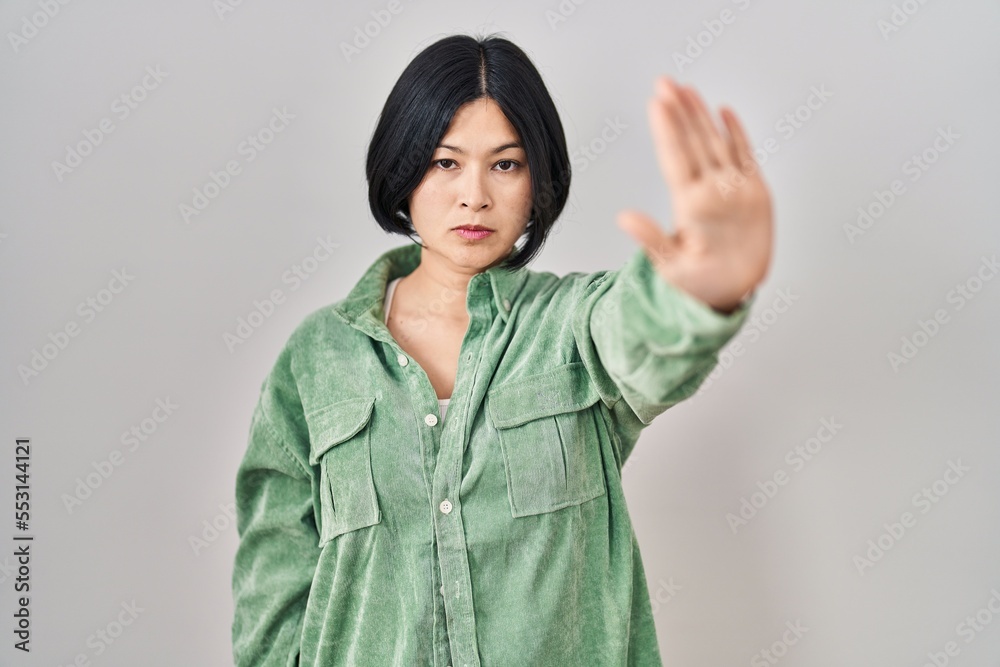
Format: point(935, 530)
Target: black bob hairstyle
point(451, 72)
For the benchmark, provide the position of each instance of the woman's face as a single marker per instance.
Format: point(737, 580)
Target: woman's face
point(470, 182)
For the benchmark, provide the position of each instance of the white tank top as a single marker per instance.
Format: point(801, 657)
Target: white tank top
point(389, 291)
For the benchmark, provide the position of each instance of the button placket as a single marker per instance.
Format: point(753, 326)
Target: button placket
point(452, 548)
point(431, 420)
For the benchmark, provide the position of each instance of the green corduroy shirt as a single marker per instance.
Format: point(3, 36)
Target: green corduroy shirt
point(372, 532)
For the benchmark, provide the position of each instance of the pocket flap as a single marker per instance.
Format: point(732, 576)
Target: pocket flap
point(566, 388)
point(336, 423)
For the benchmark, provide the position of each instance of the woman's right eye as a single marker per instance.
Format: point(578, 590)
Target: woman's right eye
point(438, 162)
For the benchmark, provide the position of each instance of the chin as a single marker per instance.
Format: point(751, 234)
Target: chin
point(477, 255)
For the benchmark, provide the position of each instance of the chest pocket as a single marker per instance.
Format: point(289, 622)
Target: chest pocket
point(340, 442)
point(550, 443)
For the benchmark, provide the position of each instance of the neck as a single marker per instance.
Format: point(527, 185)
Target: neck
point(437, 290)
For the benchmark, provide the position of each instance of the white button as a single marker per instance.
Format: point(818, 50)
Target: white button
point(430, 420)
point(402, 360)
point(446, 506)
point(506, 304)
point(442, 591)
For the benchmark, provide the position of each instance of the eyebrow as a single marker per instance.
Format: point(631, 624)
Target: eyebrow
point(498, 149)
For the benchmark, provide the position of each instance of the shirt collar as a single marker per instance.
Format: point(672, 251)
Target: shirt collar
point(362, 307)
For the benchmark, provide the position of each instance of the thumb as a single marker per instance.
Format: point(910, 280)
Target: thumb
point(658, 245)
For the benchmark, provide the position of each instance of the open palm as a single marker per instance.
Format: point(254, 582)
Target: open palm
point(720, 248)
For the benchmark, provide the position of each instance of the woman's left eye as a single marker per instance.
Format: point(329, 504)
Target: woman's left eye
point(514, 164)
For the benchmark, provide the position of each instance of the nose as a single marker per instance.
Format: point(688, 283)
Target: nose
point(475, 191)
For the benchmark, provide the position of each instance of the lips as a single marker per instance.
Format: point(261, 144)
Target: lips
point(473, 232)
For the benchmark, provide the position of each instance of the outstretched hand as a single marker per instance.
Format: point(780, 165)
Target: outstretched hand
point(723, 222)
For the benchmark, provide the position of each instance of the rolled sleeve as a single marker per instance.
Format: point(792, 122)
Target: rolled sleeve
point(646, 341)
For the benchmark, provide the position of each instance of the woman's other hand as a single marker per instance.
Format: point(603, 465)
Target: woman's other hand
point(720, 248)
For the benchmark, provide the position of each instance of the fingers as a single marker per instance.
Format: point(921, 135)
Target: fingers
point(739, 145)
point(689, 141)
point(670, 131)
point(711, 145)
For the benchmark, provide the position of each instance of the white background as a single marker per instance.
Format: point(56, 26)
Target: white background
point(722, 591)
